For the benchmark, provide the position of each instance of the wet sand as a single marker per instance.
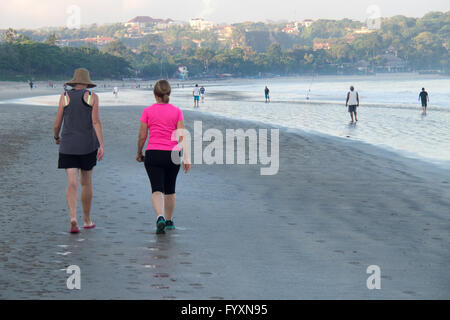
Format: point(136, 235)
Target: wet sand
point(335, 208)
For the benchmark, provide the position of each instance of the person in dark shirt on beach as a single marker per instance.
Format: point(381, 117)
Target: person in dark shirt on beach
point(266, 93)
point(424, 98)
point(202, 93)
point(81, 143)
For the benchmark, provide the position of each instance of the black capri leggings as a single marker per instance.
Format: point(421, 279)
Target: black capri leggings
point(162, 170)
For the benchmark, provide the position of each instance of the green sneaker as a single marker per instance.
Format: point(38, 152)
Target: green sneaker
point(161, 226)
point(170, 225)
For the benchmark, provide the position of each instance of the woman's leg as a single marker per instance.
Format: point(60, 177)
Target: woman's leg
point(170, 181)
point(72, 194)
point(156, 176)
point(169, 206)
point(158, 203)
point(86, 195)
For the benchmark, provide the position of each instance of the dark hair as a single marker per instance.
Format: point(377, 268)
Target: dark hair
point(162, 90)
point(352, 88)
point(423, 89)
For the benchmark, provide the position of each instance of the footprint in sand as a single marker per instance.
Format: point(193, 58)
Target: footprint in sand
point(160, 257)
point(160, 286)
point(161, 275)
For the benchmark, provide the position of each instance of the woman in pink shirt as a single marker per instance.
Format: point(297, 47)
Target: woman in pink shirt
point(164, 124)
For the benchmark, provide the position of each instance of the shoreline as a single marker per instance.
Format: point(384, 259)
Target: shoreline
point(252, 78)
point(378, 149)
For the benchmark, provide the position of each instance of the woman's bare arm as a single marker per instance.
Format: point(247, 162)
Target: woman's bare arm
point(184, 145)
point(59, 119)
point(142, 138)
point(98, 126)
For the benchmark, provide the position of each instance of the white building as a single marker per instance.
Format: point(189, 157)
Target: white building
point(200, 24)
point(306, 23)
point(183, 72)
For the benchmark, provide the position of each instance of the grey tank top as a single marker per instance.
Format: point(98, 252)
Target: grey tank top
point(78, 136)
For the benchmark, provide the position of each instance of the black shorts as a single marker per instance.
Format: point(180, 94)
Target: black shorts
point(162, 170)
point(84, 162)
point(352, 109)
point(424, 104)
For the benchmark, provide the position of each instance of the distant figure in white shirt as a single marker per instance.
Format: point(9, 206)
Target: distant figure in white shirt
point(196, 94)
point(352, 103)
point(116, 91)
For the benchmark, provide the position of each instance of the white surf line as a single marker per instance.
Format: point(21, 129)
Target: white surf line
point(64, 253)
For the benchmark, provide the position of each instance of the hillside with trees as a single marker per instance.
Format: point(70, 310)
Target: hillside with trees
point(251, 49)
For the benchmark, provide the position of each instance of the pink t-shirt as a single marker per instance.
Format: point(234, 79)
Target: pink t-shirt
point(162, 121)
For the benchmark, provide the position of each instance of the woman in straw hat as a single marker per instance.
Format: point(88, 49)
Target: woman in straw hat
point(80, 143)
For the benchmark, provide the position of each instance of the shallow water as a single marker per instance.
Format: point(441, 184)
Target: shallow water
point(390, 114)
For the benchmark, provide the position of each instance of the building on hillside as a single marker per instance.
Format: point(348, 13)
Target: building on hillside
point(99, 41)
point(96, 41)
point(389, 62)
point(322, 45)
point(200, 24)
point(182, 72)
point(223, 32)
point(306, 23)
point(291, 28)
point(142, 25)
point(364, 30)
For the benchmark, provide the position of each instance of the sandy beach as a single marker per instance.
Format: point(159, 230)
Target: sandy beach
point(335, 208)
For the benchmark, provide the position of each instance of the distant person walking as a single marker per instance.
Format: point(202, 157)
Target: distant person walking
point(31, 84)
point(116, 91)
point(202, 93)
point(267, 94)
point(163, 123)
point(81, 143)
point(196, 94)
point(352, 103)
point(424, 98)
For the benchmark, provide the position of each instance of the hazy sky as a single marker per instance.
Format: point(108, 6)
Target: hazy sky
point(33, 13)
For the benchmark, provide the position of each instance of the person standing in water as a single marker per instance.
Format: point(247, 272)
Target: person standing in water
point(31, 84)
point(196, 94)
point(424, 98)
point(267, 94)
point(352, 103)
point(81, 143)
point(202, 93)
point(163, 123)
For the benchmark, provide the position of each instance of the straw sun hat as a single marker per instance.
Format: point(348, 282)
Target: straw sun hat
point(81, 76)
